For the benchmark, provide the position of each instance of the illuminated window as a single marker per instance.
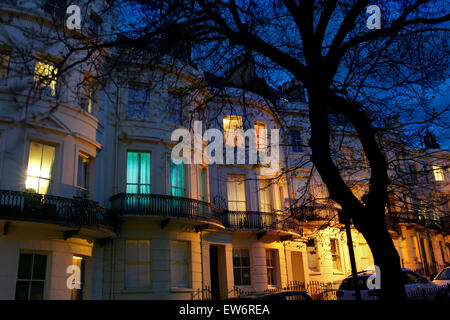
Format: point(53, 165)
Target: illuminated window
point(40, 164)
point(261, 136)
point(137, 264)
point(138, 101)
point(241, 267)
point(179, 264)
point(230, 125)
point(438, 173)
point(236, 193)
point(177, 180)
point(335, 255)
point(31, 276)
point(175, 108)
point(45, 76)
point(138, 172)
point(5, 56)
point(77, 294)
point(265, 195)
point(271, 266)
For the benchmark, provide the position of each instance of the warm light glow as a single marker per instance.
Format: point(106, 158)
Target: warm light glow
point(261, 136)
point(40, 163)
point(438, 173)
point(45, 75)
point(230, 124)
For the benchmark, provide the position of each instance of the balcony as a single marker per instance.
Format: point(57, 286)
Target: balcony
point(199, 212)
point(317, 213)
point(420, 219)
point(86, 217)
point(272, 222)
point(157, 205)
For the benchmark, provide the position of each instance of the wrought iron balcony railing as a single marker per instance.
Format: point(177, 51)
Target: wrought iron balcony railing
point(255, 220)
point(66, 211)
point(177, 207)
point(424, 220)
point(164, 205)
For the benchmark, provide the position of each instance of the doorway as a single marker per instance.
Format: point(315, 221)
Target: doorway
point(218, 272)
point(298, 272)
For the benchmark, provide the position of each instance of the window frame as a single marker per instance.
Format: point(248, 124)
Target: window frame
point(139, 184)
point(147, 264)
point(241, 266)
point(52, 170)
point(297, 142)
point(273, 268)
point(238, 179)
point(40, 80)
point(336, 255)
point(31, 280)
point(186, 264)
point(231, 130)
point(144, 113)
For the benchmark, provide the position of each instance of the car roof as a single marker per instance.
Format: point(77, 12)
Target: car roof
point(370, 272)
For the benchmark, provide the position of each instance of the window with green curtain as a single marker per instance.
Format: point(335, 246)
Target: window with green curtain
point(138, 172)
point(177, 184)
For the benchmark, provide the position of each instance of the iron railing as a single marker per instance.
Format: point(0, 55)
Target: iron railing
point(413, 217)
point(178, 207)
point(255, 220)
point(77, 212)
point(316, 289)
point(164, 205)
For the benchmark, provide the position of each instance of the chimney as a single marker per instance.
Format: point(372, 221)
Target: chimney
point(294, 89)
point(430, 141)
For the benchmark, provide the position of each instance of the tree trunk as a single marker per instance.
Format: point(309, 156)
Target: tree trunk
point(373, 228)
point(368, 218)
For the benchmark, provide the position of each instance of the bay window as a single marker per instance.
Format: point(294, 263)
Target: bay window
point(177, 179)
point(40, 165)
point(236, 193)
point(45, 75)
point(138, 172)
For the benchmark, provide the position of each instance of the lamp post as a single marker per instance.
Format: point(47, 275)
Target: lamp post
point(345, 220)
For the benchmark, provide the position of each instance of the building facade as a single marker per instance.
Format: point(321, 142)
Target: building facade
point(87, 180)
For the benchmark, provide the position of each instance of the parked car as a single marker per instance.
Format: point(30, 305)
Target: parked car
point(443, 277)
point(442, 280)
point(417, 287)
point(277, 296)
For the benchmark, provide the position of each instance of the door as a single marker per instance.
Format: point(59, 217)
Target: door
point(214, 270)
point(298, 273)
